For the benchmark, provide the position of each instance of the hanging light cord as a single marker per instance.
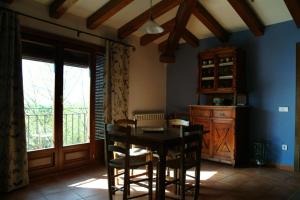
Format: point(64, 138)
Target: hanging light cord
point(151, 17)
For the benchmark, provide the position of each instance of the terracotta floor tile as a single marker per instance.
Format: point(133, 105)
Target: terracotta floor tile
point(26, 193)
point(88, 192)
point(68, 195)
point(219, 182)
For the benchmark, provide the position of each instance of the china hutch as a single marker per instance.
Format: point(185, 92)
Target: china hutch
point(223, 112)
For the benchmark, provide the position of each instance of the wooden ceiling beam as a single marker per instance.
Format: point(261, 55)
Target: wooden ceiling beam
point(294, 8)
point(210, 22)
point(248, 16)
point(148, 38)
point(168, 27)
point(59, 7)
point(157, 10)
point(106, 12)
point(190, 38)
point(183, 14)
point(162, 45)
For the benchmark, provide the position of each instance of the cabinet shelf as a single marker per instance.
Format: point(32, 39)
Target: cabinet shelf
point(207, 78)
point(226, 77)
point(225, 64)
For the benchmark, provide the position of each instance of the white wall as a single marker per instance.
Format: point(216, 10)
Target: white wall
point(147, 76)
point(147, 79)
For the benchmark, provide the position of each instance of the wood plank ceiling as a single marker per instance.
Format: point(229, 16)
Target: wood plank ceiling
point(7, 1)
point(175, 28)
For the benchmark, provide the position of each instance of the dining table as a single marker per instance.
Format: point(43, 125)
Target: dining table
point(159, 140)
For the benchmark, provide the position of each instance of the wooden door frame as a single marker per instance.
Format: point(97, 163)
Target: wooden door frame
point(297, 121)
point(58, 162)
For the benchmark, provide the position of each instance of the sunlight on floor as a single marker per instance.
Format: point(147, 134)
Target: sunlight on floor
point(205, 175)
point(92, 183)
point(101, 183)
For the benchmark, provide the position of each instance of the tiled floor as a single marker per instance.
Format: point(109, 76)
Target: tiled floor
point(218, 181)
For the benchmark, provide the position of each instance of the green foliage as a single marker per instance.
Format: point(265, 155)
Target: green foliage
point(40, 126)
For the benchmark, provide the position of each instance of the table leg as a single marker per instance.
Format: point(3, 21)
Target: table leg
point(161, 174)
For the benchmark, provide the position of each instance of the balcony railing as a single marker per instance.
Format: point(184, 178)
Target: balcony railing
point(40, 127)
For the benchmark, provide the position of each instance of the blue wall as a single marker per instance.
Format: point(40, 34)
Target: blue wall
point(271, 81)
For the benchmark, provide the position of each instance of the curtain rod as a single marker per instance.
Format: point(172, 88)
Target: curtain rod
point(69, 28)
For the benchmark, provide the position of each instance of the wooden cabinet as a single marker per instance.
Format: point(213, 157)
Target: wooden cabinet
point(206, 140)
point(221, 70)
point(225, 139)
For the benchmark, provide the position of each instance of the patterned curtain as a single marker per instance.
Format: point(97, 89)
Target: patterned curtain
point(13, 153)
point(116, 87)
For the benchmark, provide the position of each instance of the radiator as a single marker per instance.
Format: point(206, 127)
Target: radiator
point(156, 119)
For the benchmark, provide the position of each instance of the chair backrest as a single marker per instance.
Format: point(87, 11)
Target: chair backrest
point(191, 145)
point(126, 122)
point(111, 146)
point(178, 122)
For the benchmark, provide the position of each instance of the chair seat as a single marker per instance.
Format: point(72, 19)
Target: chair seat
point(172, 154)
point(136, 151)
point(175, 163)
point(134, 162)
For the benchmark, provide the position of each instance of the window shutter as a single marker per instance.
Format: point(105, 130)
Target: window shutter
point(99, 95)
point(38, 51)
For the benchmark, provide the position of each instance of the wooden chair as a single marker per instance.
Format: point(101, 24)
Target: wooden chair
point(134, 151)
point(126, 122)
point(125, 162)
point(173, 153)
point(189, 157)
point(178, 122)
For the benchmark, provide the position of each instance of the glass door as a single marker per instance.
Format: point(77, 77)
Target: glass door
point(76, 98)
point(38, 83)
point(76, 105)
point(57, 94)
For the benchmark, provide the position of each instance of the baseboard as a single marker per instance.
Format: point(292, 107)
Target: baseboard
point(88, 166)
point(288, 168)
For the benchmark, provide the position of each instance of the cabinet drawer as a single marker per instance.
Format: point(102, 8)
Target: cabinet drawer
point(224, 113)
point(200, 112)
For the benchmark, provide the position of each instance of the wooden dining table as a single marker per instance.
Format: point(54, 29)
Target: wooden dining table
point(158, 140)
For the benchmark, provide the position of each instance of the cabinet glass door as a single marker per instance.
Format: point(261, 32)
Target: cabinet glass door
point(225, 72)
point(207, 73)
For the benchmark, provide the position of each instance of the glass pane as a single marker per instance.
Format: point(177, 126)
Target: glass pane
point(38, 81)
point(76, 105)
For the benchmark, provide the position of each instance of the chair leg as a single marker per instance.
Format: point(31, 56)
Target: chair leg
point(126, 184)
point(197, 182)
point(110, 182)
point(116, 171)
point(182, 184)
point(175, 184)
point(157, 180)
point(150, 179)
